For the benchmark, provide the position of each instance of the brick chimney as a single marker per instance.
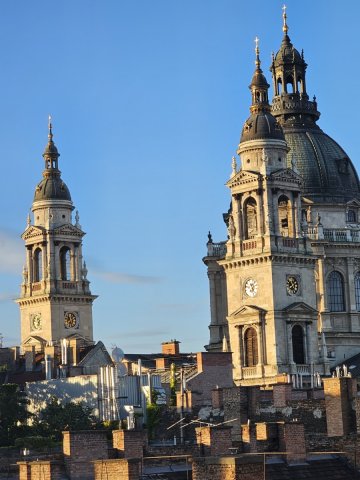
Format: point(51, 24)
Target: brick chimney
point(214, 441)
point(292, 441)
point(170, 348)
point(339, 393)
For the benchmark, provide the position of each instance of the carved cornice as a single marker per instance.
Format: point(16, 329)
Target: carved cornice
point(43, 299)
point(266, 259)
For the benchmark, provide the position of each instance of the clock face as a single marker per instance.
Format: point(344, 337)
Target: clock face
point(70, 320)
point(36, 322)
point(292, 285)
point(251, 287)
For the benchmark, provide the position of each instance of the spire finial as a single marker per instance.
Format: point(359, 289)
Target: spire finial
point(257, 52)
point(285, 27)
point(50, 135)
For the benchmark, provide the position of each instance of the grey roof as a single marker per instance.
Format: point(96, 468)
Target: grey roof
point(52, 187)
point(327, 171)
point(261, 125)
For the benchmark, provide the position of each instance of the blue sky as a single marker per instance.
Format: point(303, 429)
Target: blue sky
point(148, 100)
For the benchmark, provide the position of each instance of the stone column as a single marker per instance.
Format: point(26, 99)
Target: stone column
point(289, 342)
point(57, 262)
point(260, 345)
point(322, 286)
point(308, 343)
point(44, 261)
point(275, 214)
point(29, 265)
point(259, 212)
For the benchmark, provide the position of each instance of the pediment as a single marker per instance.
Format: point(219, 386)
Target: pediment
point(33, 231)
point(247, 310)
point(300, 308)
point(353, 203)
point(242, 178)
point(68, 229)
point(286, 175)
point(34, 340)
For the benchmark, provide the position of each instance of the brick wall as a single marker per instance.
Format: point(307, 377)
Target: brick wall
point(44, 470)
point(80, 449)
point(292, 441)
point(214, 440)
point(228, 468)
point(339, 414)
point(129, 443)
point(217, 398)
point(281, 394)
point(235, 401)
point(214, 369)
point(124, 469)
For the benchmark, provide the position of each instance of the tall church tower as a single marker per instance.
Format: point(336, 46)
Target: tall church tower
point(269, 317)
point(55, 300)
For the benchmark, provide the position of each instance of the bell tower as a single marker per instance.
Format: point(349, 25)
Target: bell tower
point(268, 318)
point(55, 300)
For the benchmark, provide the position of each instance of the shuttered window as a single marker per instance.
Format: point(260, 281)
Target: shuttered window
point(251, 348)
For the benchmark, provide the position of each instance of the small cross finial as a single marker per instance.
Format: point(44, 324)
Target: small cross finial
point(285, 27)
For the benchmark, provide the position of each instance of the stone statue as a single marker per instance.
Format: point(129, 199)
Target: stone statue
point(210, 240)
point(231, 228)
point(84, 271)
point(308, 215)
point(233, 167)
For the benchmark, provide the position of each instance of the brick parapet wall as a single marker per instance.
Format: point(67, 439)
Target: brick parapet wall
point(44, 470)
point(228, 468)
point(80, 449)
point(129, 443)
point(124, 469)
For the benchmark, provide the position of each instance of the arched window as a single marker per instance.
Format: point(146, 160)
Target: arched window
point(285, 220)
point(289, 85)
point(279, 86)
point(357, 291)
point(251, 347)
point(38, 271)
point(65, 270)
point(251, 227)
point(351, 216)
point(335, 291)
point(297, 335)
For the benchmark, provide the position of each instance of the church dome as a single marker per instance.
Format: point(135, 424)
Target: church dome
point(261, 125)
point(51, 188)
point(328, 173)
point(287, 53)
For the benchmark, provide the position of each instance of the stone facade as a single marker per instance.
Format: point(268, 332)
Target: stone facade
point(285, 285)
point(55, 300)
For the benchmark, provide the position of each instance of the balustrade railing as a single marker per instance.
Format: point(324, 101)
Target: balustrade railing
point(216, 249)
point(68, 285)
